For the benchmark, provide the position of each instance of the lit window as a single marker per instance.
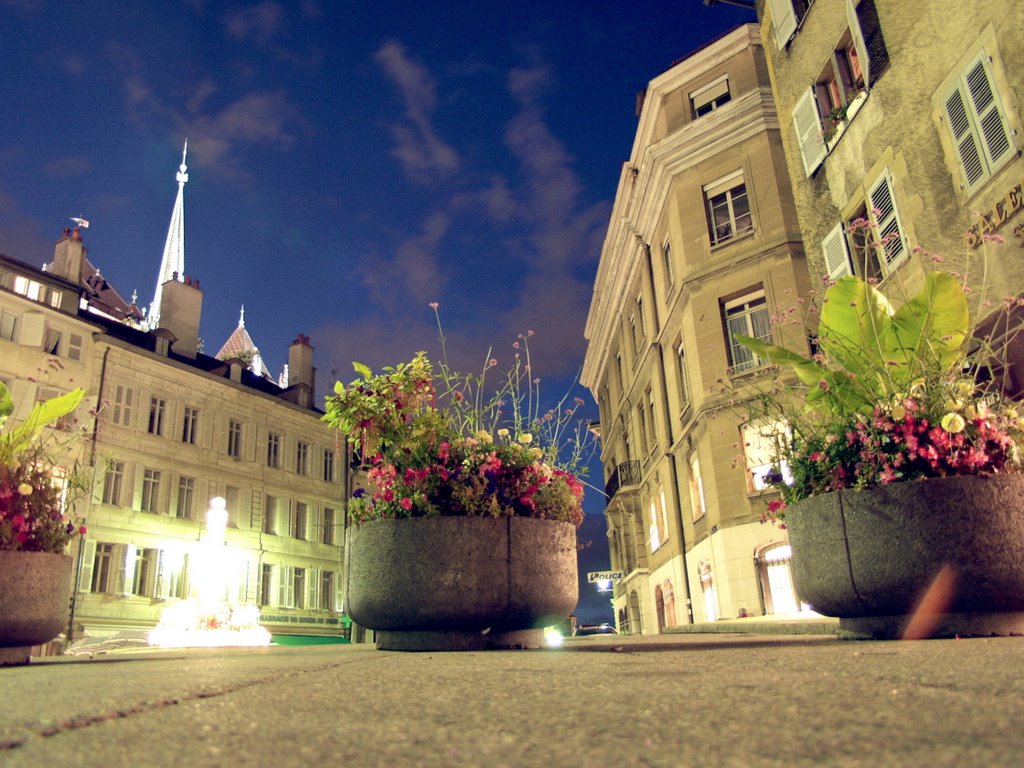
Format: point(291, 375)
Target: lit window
point(728, 208)
point(763, 443)
point(697, 501)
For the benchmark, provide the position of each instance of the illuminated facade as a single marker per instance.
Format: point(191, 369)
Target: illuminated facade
point(176, 428)
point(703, 243)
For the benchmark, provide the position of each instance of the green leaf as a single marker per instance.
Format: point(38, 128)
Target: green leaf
point(807, 370)
point(6, 403)
point(854, 318)
point(930, 328)
point(363, 370)
point(42, 414)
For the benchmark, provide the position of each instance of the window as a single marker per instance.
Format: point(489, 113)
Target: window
point(51, 341)
point(857, 61)
point(234, 439)
point(157, 407)
point(976, 122)
point(8, 326)
point(786, 16)
point(328, 534)
point(190, 425)
point(186, 498)
point(652, 434)
point(684, 379)
point(327, 591)
point(141, 563)
point(269, 514)
point(763, 443)
point(273, 450)
point(101, 567)
point(697, 501)
point(728, 208)
point(298, 587)
point(641, 414)
point(301, 518)
point(112, 480)
point(666, 258)
point(328, 466)
point(266, 580)
point(124, 400)
point(710, 97)
point(875, 235)
point(659, 521)
point(746, 316)
point(151, 491)
point(302, 458)
point(707, 588)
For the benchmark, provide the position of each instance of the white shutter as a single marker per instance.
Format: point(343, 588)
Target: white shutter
point(783, 21)
point(312, 589)
point(33, 328)
point(987, 112)
point(286, 586)
point(125, 555)
point(163, 581)
point(882, 205)
point(808, 131)
point(88, 561)
point(858, 40)
point(837, 253)
point(339, 593)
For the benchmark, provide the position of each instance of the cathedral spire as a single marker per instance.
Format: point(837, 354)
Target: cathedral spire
point(172, 266)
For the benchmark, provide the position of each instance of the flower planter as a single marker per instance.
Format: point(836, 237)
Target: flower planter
point(867, 556)
point(35, 593)
point(461, 583)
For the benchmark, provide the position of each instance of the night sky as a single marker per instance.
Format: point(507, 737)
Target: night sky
point(349, 164)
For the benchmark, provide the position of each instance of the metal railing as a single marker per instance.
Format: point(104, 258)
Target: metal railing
point(626, 474)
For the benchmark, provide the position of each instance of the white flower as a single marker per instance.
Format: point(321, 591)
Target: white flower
point(526, 438)
point(25, 489)
point(953, 423)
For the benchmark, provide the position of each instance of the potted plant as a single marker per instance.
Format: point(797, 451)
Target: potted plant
point(465, 531)
point(35, 571)
point(899, 462)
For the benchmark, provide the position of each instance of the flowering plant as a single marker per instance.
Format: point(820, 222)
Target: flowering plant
point(891, 395)
point(32, 515)
point(438, 443)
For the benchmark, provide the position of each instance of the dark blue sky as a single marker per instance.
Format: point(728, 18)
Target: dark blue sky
point(349, 162)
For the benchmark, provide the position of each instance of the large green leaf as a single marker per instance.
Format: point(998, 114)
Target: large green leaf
point(930, 329)
point(6, 403)
point(42, 414)
point(855, 317)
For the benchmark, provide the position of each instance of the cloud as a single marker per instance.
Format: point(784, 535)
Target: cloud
point(259, 23)
point(68, 167)
point(413, 274)
point(424, 157)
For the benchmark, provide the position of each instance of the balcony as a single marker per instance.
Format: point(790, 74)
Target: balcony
point(626, 474)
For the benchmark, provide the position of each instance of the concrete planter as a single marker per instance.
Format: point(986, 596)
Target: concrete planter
point(461, 583)
point(35, 594)
point(873, 552)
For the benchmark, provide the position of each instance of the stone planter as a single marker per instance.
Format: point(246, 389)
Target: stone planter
point(461, 583)
point(868, 556)
point(35, 594)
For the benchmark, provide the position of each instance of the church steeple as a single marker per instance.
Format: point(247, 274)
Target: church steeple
point(172, 266)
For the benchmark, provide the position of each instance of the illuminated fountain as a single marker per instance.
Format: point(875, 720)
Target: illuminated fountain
point(211, 618)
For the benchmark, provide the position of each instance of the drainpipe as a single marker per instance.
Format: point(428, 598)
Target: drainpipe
point(673, 469)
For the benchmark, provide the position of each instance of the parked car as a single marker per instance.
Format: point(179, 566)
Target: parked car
point(594, 629)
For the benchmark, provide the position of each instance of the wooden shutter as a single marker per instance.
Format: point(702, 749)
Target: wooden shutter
point(312, 589)
point(339, 594)
point(984, 101)
point(807, 124)
point(125, 557)
point(836, 249)
point(783, 21)
point(862, 19)
point(882, 204)
point(88, 561)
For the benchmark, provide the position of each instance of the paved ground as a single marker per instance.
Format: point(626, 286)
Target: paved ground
point(678, 700)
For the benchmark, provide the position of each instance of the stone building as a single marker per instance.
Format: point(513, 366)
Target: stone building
point(175, 429)
point(908, 114)
point(703, 243)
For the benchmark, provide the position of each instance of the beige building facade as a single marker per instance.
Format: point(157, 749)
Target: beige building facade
point(908, 114)
point(703, 244)
point(175, 429)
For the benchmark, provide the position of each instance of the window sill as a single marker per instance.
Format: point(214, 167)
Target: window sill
point(746, 234)
point(840, 128)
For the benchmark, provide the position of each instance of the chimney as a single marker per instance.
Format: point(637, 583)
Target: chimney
point(181, 305)
point(69, 257)
point(301, 373)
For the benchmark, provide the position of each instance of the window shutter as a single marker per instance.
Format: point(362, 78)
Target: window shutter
point(808, 131)
point(837, 253)
point(285, 586)
point(312, 589)
point(992, 127)
point(339, 594)
point(125, 568)
point(163, 582)
point(32, 329)
point(862, 19)
point(890, 230)
point(783, 21)
point(88, 561)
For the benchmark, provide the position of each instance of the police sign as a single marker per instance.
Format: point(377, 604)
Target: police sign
point(593, 576)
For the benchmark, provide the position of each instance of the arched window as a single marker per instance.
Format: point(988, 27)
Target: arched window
point(670, 603)
point(707, 588)
point(777, 579)
point(659, 605)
